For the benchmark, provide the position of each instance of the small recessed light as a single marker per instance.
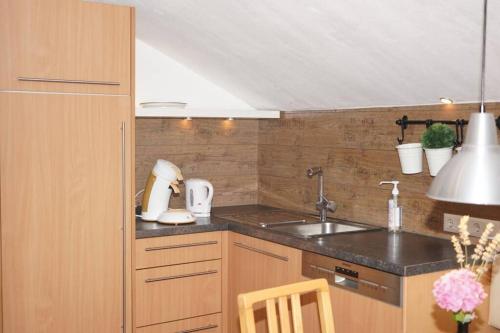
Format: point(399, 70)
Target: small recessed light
point(230, 118)
point(188, 118)
point(446, 100)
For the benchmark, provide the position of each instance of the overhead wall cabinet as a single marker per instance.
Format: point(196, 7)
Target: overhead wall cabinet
point(66, 162)
point(65, 46)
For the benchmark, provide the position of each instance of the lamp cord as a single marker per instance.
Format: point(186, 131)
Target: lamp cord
point(483, 64)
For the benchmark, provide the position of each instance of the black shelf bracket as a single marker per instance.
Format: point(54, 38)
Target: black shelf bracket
point(459, 126)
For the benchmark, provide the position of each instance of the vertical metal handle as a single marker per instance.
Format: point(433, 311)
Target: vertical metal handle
point(124, 227)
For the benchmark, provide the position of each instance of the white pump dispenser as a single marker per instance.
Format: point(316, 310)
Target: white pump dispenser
point(395, 213)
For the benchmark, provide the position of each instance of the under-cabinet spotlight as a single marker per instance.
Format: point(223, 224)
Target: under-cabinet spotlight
point(188, 118)
point(230, 119)
point(446, 100)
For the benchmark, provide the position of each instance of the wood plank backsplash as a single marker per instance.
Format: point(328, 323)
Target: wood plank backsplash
point(356, 150)
point(264, 161)
point(221, 151)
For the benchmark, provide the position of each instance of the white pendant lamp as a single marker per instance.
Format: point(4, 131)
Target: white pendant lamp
point(472, 176)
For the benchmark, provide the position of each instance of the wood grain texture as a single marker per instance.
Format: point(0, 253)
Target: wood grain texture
point(271, 296)
point(250, 270)
point(61, 207)
point(223, 152)
point(65, 39)
point(356, 150)
point(174, 250)
point(421, 313)
point(196, 324)
point(245, 274)
point(178, 292)
point(225, 282)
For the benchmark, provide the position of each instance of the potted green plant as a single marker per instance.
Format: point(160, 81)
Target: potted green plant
point(438, 142)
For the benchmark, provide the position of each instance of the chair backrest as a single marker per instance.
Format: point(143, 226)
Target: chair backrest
point(280, 295)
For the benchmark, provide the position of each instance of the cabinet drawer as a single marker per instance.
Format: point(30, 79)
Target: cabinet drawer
point(172, 250)
point(178, 292)
point(205, 324)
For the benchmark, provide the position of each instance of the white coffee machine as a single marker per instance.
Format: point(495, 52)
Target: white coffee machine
point(164, 179)
point(199, 195)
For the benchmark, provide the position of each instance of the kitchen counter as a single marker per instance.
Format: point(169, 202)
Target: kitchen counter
point(402, 254)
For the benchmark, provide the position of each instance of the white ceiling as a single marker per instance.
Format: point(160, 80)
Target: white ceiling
point(328, 54)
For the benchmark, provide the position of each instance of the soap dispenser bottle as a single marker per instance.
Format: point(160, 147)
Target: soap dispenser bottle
point(395, 213)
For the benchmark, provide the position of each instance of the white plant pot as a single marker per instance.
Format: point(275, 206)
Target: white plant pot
point(410, 156)
point(437, 158)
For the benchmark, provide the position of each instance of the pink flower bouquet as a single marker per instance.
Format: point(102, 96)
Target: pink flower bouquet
point(460, 291)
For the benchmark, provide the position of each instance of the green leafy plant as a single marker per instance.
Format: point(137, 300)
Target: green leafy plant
point(438, 136)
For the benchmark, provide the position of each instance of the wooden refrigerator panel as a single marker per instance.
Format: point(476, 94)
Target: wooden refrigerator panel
point(62, 212)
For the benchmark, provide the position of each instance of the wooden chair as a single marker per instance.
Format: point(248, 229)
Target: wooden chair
point(281, 294)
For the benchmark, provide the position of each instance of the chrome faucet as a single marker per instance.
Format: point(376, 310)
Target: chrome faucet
point(323, 204)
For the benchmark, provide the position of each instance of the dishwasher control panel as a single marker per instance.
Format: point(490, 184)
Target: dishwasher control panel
point(383, 286)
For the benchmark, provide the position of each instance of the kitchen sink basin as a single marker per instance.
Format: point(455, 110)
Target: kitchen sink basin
point(305, 229)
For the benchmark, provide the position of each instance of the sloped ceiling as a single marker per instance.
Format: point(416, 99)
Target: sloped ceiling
point(329, 54)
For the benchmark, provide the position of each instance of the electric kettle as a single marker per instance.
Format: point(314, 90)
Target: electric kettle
point(199, 194)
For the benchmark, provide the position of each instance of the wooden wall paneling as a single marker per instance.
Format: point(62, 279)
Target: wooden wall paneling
point(221, 151)
point(65, 39)
point(357, 150)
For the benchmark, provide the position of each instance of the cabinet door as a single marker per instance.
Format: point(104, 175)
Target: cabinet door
point(357, 313)
point(47, 41)
point(256, 264)
point(62, 212)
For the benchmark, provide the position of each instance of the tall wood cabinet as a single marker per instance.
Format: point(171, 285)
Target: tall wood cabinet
point(66, 164)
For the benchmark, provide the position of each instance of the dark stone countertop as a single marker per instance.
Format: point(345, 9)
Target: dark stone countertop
point(403, 254)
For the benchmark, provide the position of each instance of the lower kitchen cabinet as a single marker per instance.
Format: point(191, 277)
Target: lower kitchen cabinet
point(200, 293)
point(358, 313)
point(204, 324)
point(170, 293)
point(257, 264)
point(179, 283)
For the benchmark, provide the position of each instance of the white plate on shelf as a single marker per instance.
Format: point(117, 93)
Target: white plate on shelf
point(176, 216)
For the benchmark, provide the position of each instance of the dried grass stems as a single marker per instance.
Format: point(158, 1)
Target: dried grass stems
point(484, 252)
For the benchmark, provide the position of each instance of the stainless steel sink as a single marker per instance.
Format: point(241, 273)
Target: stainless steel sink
point(304, 229)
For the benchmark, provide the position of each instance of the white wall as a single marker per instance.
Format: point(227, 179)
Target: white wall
point(161, 79)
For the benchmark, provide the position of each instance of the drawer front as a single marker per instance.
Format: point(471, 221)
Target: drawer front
point(205, 324)
point(173, 250)
point(178, 292)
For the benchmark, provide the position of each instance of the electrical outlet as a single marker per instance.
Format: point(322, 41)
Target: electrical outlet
point(476, 225)
point(451, 223)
